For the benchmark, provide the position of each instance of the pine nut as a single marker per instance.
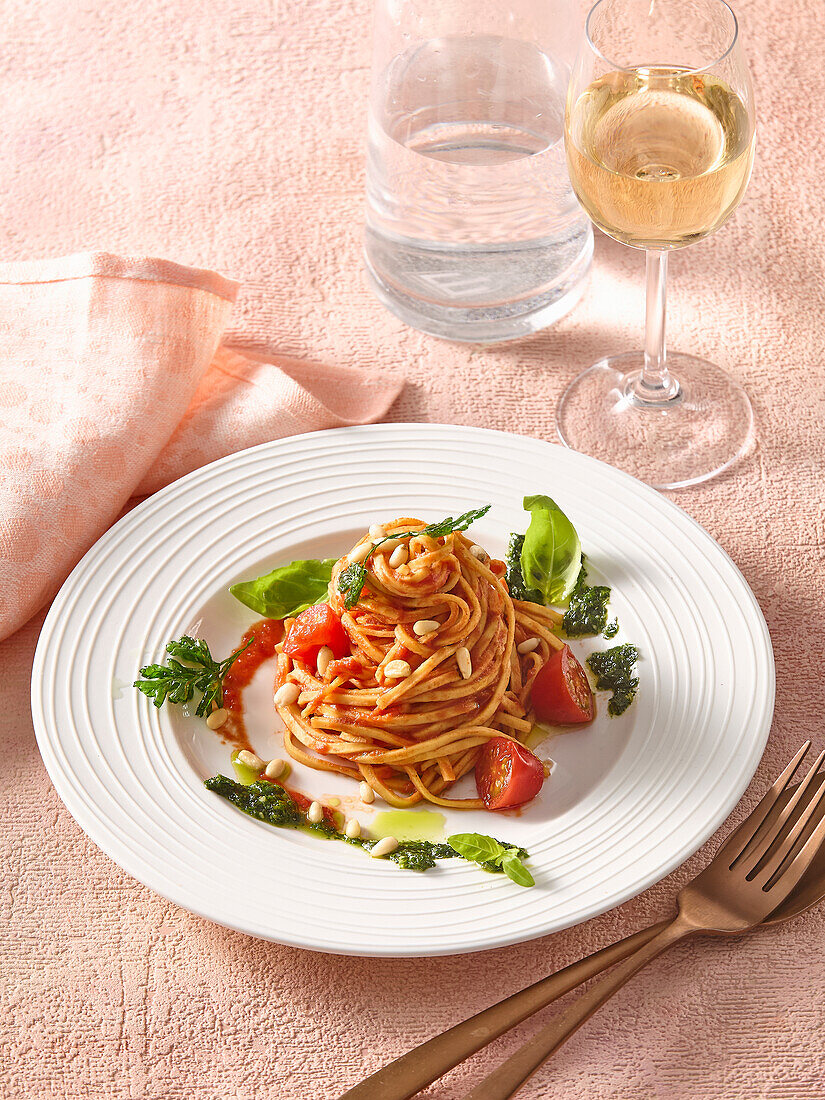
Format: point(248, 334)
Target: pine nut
point(399, 556)
point(274, 768)
point(464, 662)
point(250, 760)
point(325, 655)
point(377, 531)
point(361, 551)
point(217, 718)
point(384, 847)
point(315, 813)
point(287, 694)
point(478, 552)
point(528, 645)
point(367, 793)
point(397, 670)
point(353, 828)
point(425, 626)
point(389, 544)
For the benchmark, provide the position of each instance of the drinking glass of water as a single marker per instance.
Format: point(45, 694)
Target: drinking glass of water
point(473, 232)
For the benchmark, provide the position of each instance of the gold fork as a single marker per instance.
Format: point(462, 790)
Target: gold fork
point(419, 1067)
point(751, 874)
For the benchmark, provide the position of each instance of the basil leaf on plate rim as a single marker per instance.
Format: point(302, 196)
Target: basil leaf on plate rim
point(287, 590)
point(551, 555)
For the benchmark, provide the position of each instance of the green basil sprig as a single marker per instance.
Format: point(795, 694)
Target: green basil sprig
point(493, 855)
point(551, 555)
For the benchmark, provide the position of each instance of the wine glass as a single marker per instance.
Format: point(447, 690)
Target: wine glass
point(659, 135)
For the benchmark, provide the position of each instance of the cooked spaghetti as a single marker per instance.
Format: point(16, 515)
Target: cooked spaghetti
point(434, 672)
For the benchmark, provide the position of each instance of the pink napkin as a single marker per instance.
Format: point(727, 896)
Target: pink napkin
point(113, 382)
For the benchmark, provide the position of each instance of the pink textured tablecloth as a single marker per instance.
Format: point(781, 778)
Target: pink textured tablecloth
point(230, 136)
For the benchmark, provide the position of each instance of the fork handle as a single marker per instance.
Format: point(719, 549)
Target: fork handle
point(425, 1063)
point(503, 1082)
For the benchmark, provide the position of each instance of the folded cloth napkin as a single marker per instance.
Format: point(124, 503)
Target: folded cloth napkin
point(114, 382)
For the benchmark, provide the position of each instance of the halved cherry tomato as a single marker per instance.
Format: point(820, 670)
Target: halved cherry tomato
point(560, 692)
point(507, 774)
point(316, 627)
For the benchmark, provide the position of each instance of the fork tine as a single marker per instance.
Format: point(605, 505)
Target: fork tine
point(736, 843)
point(800, 863)
point(801, 858)
point(756, 851)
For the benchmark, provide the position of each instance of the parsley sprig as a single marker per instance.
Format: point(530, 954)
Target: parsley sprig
point(178, 681)
point(351, 580)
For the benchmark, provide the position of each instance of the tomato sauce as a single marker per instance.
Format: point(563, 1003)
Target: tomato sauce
point(265, 636)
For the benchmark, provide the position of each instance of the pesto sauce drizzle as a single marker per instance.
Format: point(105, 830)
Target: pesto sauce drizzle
point(270, 803)
point(516, 584)
point(611, 630)
point(587, 610)
point(614, 672)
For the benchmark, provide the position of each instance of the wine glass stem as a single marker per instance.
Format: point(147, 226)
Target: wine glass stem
point(655, 385)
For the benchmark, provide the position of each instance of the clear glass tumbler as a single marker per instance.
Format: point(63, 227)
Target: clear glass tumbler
point(473, 232)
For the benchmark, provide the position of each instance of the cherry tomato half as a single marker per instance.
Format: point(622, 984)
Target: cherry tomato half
point(316, 627)
point(507, 774)
point(560, 692)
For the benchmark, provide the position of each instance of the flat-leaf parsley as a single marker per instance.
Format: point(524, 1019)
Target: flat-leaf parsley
point(191, 668)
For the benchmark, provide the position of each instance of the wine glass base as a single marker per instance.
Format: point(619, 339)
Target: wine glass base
point(670, 444)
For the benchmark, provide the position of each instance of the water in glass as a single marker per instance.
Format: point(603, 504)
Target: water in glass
point(473, 232)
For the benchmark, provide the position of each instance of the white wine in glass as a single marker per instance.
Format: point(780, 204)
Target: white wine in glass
point(688, 135)
point(659, 156)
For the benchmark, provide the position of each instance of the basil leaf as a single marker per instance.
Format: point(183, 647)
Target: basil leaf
point(551, 556)
point(477, 847)
point(513, 868)
point(288, 589)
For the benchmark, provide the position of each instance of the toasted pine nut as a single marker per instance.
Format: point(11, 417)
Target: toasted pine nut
point(274, 768)
point(389, 544)
point(425, 626)
point(384, 847)
point(399, 556)
point(287, 694)
point(366, 792)
point(250, 760)
point(528, 645)
point(315, 813)
point(377, 531)
point(478, 552)
point(325, 655)
point(464, 662)
point(397, 670)
point(217, 718)
point(353, 828)
point(361, 551)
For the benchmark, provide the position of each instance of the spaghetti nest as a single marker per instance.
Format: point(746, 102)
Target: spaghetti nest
point(435, 670)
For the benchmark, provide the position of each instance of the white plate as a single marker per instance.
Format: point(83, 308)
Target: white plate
point(630, 798)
